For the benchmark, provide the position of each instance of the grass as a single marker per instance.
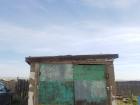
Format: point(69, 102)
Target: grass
point(128, 102)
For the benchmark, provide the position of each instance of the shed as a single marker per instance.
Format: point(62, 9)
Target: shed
point(72, 80)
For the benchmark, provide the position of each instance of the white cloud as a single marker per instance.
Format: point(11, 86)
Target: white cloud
point(82, 38)
point(14, 69)
point(127, 72)
point(63, 38)
point(110, 3)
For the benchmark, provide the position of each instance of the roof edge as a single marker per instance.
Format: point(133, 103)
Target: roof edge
point(30, 59)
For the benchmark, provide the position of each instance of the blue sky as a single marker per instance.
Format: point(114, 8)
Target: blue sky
point(64, 27)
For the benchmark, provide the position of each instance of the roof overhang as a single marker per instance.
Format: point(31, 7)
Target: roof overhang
point(30, 59)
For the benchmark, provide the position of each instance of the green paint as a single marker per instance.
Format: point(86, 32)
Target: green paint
point(89, 72)
point(61, 72)
point(43, 72)
point(90, 85)
point(55, 92)
point(67, 84)
point(56, 85)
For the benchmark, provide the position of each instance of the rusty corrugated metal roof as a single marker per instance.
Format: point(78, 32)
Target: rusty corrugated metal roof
point(70, 57)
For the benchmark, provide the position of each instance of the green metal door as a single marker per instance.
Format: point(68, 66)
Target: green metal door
point(90, 85)
point(67, 84)
point(56, 84)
